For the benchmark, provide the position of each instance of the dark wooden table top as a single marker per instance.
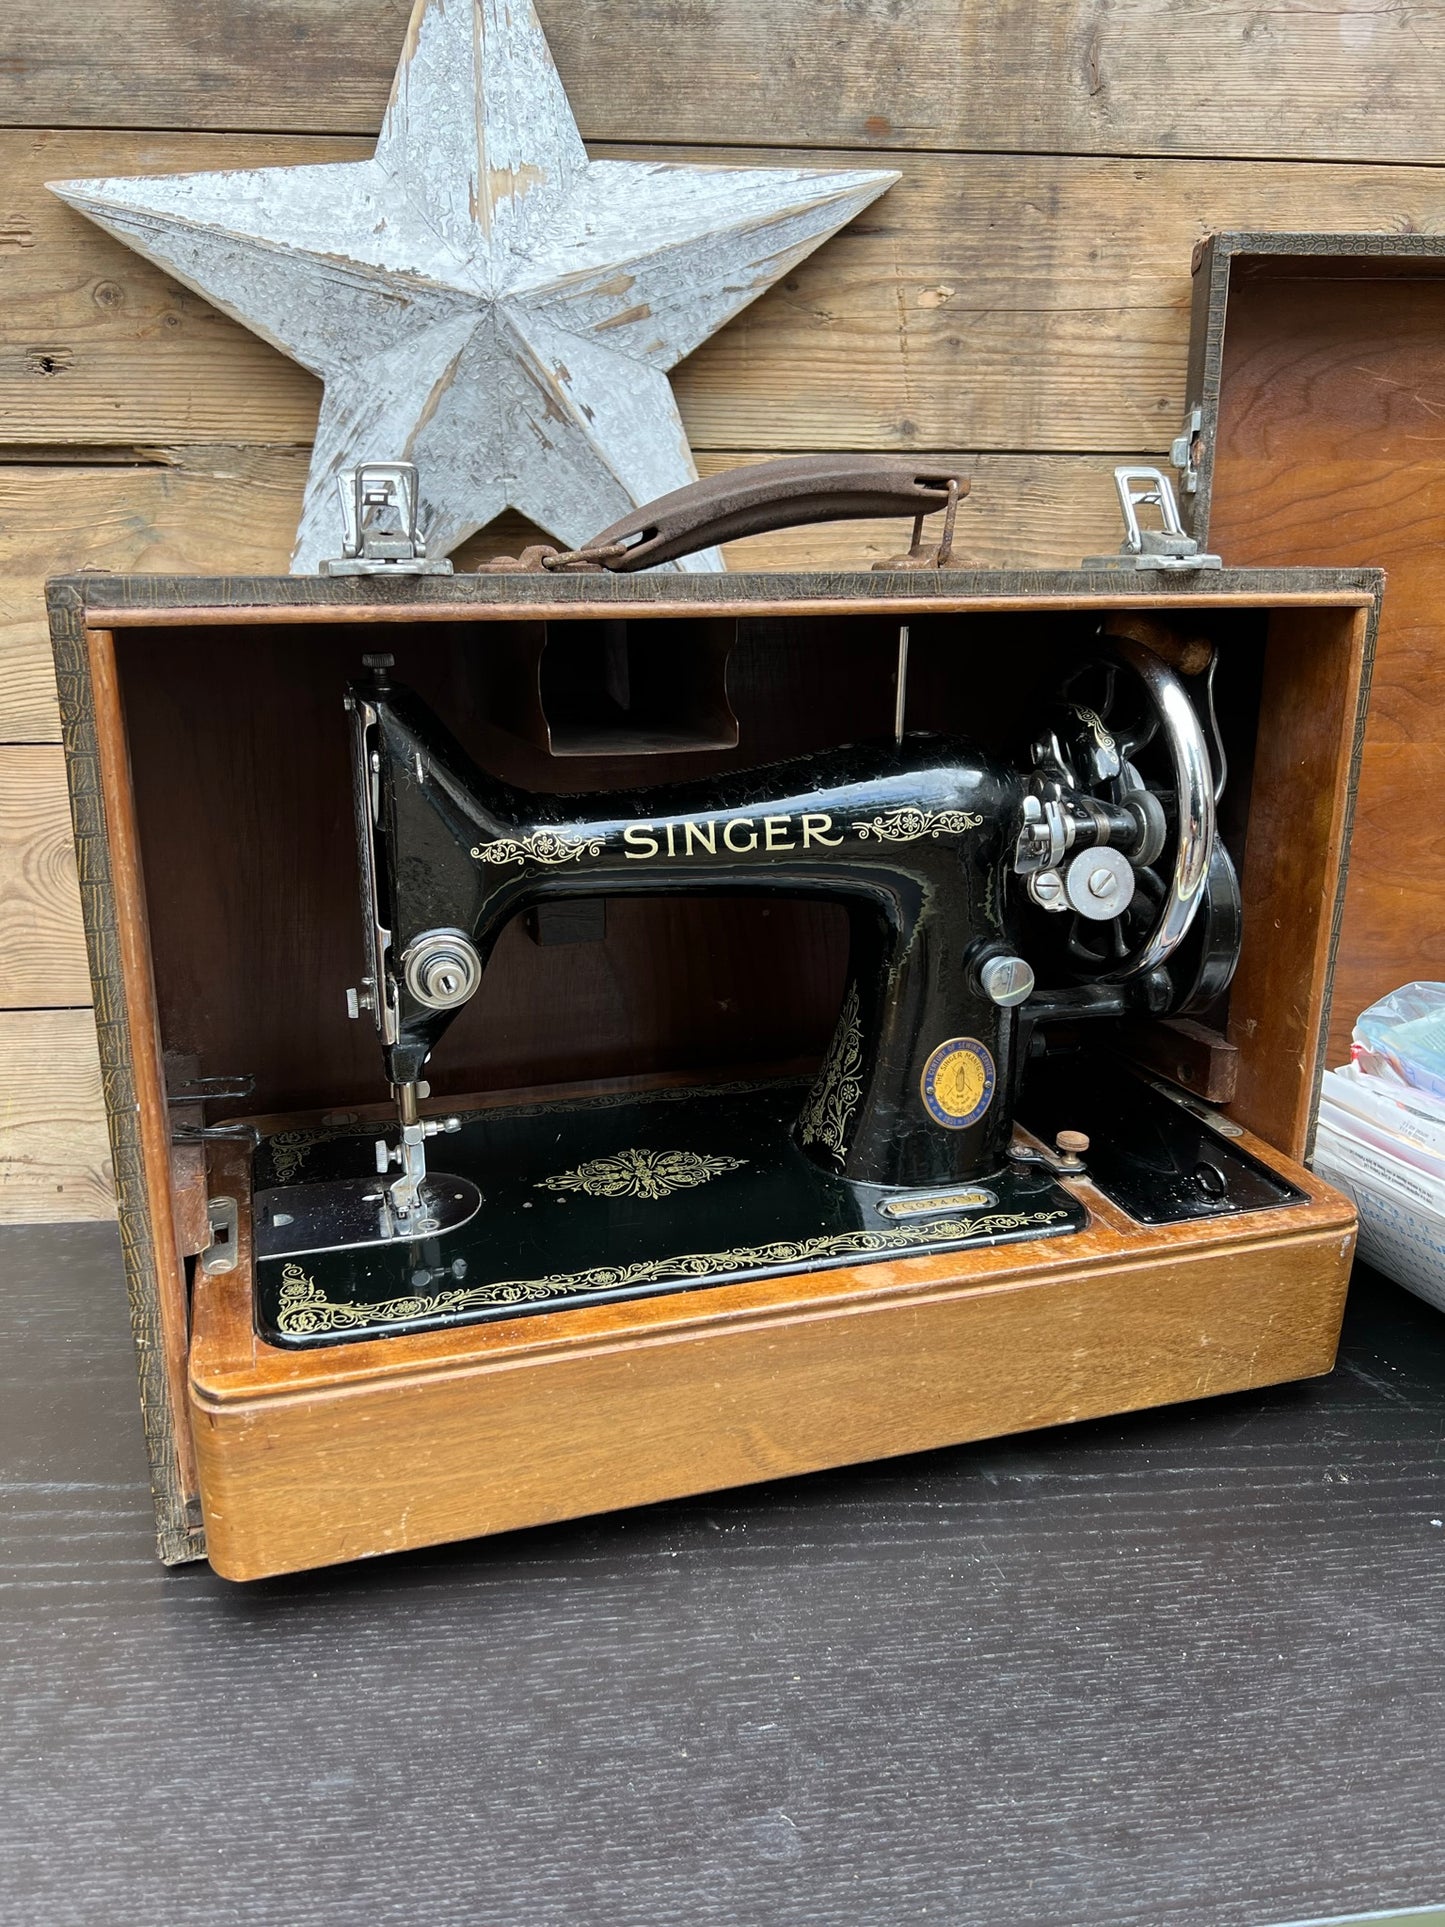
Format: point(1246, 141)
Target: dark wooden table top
point(1183, 1668)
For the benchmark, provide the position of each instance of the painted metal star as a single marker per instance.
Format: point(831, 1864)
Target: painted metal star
point(480, 298)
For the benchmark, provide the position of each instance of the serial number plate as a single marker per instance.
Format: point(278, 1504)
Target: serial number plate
point(974, 1199)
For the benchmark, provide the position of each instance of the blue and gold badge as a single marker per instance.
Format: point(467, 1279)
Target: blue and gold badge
point(958, 1082)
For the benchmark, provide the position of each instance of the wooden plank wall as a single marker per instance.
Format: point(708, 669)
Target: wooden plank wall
point(1021, 297)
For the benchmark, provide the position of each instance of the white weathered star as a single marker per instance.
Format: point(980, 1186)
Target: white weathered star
point(479, 297)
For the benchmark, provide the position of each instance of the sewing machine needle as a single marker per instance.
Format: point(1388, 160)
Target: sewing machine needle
point(901, 700)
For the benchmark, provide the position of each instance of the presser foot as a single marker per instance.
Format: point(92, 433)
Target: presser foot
point(406, 1196)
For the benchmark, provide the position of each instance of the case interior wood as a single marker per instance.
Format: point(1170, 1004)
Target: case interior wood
point(1318, 366)
point(207, 756)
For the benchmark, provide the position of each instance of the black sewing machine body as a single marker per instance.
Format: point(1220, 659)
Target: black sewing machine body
point(911, 839)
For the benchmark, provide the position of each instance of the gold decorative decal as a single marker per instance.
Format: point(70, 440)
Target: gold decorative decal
point(641, 1174)
point(1093, 722)
point(908, 825)
point(289, 1151)
point(305, 1310)
point(544, 846)
point(834, 1098)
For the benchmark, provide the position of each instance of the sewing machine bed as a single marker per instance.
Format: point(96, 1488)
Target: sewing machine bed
point(679, 1189)
point(660, 1191)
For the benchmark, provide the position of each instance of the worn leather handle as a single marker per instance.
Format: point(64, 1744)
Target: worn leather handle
point(772, 495)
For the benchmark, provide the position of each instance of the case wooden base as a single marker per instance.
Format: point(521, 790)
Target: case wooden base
point(307, 1458)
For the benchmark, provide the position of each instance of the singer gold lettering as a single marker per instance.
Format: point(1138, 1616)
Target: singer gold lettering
point(737, 835)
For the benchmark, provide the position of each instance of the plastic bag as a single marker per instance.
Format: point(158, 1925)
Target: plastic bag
point(1401, 1039)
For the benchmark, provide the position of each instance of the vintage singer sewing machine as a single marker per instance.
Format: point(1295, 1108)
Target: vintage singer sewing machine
point(941, 1056)
point(951, 865)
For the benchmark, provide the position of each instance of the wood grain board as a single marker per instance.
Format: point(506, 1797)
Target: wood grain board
point(42, 946)
point(54, 1153)
point(1137, 77)
point(986, 301)
point(1023, 293)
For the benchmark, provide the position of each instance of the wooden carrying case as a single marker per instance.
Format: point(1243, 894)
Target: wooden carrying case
point(207, 759)
point(1315, 433)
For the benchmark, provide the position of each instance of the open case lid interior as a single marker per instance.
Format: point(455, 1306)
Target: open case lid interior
point(1317, 372)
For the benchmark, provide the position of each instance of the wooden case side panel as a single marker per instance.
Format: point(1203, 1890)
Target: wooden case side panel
point(157, 1299)
point(1329, 447)
point(330, 1476)
point(1216, 260)
point(1312, 708)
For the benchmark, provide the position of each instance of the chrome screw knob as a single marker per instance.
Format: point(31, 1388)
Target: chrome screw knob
point(442, 969)
point(1046, 887)
point(1099, 884)
point(1006, 981)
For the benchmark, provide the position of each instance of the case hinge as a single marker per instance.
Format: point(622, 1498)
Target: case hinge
point(1186, 449)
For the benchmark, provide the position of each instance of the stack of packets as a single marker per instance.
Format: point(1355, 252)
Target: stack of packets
point(1382, 1136)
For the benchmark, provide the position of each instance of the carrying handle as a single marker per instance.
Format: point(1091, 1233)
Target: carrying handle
point(797, 490)
point(789, 493)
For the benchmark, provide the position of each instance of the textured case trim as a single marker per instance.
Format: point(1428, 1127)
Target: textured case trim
point(177, 1538)
point(129, 600)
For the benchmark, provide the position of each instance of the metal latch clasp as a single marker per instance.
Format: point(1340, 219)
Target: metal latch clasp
point(1165, 547)
point(220, 1254)
point(381, 534)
